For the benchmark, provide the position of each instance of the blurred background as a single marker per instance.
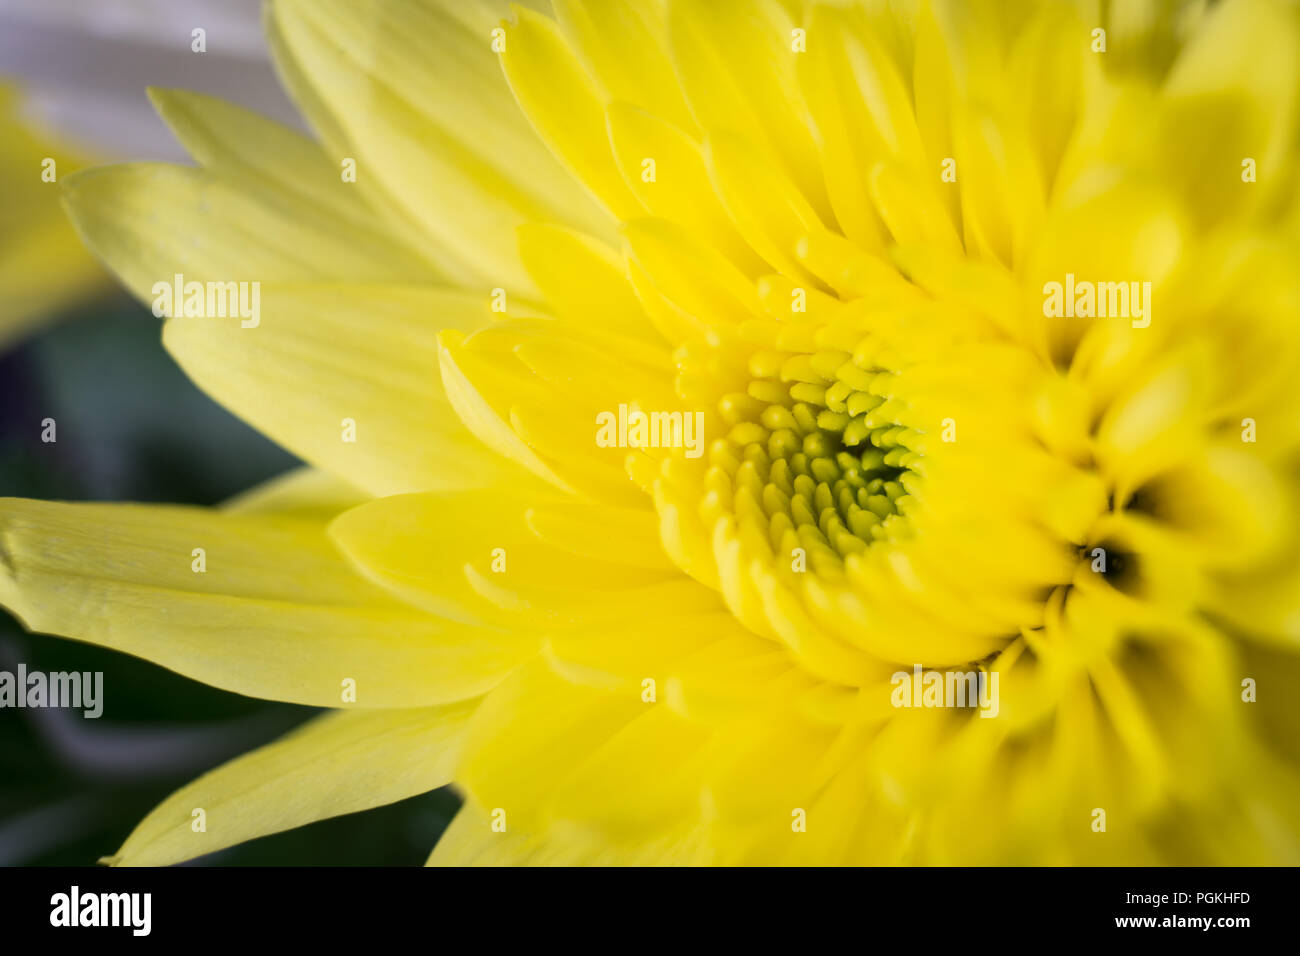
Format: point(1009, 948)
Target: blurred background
point(130, 427)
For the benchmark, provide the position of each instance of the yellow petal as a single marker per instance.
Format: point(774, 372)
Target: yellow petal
point(285, 168)
point(624, 46)
point(475, 556)
point(473, 839)
point(334, 764)
point(646, 778)
point(582, 278)
point(1230, 95)
point(474, 384)
point(535, 391)
point(529, 735)
point(268, 608)
point(766, 207)
point(465, 170)
point(679, 189)
point(141, 218)
point(685, 275)
point(346, 376)
point(736, 63)
point(564, 106)
point(302, 492)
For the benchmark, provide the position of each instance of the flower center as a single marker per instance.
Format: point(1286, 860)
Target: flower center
point(827, 458)
point(880, 491)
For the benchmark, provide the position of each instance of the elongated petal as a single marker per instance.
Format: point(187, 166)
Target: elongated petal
point(515, 561)
point(736, 66)
point(624, 46)
point(564, 106)
point(268, 608)
point(337, 763)
point(140, 219)
point(465, 172)
point(346, 377)
point(289, 171)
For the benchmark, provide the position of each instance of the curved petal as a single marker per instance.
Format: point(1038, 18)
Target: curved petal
point(346, 376)
point(271, 611)
point(524, 562)
point(464, 171)
point(337, 763)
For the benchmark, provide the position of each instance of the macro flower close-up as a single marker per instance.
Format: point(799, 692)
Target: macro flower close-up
point(733, 432)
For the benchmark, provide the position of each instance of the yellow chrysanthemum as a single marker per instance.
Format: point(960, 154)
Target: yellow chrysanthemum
point(832, 231)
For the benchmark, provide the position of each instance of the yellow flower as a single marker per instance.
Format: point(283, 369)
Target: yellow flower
point(987, 312)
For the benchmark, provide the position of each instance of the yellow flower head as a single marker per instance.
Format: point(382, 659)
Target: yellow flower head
point(744, 431)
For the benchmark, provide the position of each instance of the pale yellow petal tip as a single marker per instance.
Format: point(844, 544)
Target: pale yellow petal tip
point(166, 100)
point(160, 95)
point(517, 13)
point(169, 101)
point(71, 184)
point(450, 339)
point(80, 195)
point(115, 860)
